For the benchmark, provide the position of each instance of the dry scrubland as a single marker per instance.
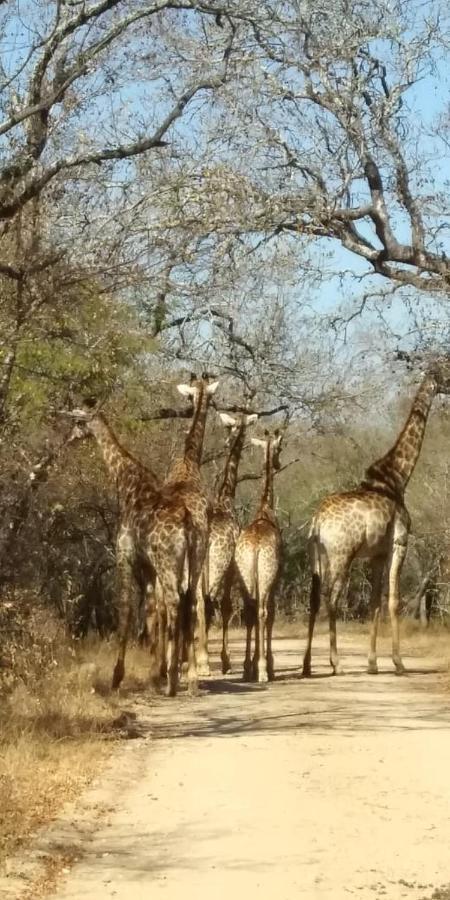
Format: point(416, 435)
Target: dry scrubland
point(60, 722)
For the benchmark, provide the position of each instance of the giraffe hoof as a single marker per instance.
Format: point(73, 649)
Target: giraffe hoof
point(193, 688)
point(204, 671)
point(372, 669)
point(399, 668)
point(183, 672)
point(306, 672)
point(155, 683)
point(338, 670)
point(203, 667)
point(118, 674)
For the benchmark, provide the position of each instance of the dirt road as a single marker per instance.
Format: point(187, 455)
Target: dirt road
point(328, 788)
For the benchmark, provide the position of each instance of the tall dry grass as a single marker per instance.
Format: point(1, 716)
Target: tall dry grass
point(58, 720)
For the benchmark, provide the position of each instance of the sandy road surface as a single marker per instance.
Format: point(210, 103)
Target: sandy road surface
point(328, 788)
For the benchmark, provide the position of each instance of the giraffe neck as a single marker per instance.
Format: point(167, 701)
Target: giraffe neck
point(188, 467)
point(118, 461)
point(193, 447)
point(227, 487)
point(393, 471)
point(267, 494)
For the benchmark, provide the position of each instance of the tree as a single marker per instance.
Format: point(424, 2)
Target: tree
point(64, 67)
point(324, 103)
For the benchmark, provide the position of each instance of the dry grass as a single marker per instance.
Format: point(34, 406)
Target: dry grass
point(435, 637)
point(58, 722)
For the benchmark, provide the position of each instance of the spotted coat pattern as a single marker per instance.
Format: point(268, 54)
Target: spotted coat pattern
point(258, 558)
point(372, 523)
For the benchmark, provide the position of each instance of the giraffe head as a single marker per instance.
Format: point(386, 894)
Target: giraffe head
point(272, 446)
point(83, 417)
point(435, 370)
point(198, 387)
point(440, 371)
point(200, 392)
point(233, 424)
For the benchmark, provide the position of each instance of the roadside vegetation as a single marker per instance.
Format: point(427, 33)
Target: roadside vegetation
point(58, 720)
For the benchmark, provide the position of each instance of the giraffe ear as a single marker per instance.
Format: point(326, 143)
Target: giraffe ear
point(186, 390)
point(249, 420)
point(258, 442)
point(227, 420)
point(212, 388)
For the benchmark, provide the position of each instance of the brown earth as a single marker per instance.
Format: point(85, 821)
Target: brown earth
point(326, 788)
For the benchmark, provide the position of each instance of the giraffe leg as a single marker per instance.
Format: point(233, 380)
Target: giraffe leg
point(192, 675)
point(250, 621)
point(162, 638)
point(152, 630)
point(333, 601)
point(202, 637)
point(395, 567)
point(209, 612)
point(314, 606)
point(172, 604)
point(270, 621)
point(126, 582)
point(375, 609)
point(226, 613)
point(254, 666)
point(260, 661)
point(184, 636)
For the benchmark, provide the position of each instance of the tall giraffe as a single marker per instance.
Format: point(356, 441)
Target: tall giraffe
point(185, 476)
point(157, 536)
point(224, 529)
point(370, 522)
point(258, 559)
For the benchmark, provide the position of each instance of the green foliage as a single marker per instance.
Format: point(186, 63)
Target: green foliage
point(91, 344)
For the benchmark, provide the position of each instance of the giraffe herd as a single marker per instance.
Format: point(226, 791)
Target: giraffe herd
point(192, 551)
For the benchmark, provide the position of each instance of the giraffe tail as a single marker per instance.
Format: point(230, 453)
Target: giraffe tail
point(206, 588)
point(316, 569)
point(255, 585)
point(188, 596)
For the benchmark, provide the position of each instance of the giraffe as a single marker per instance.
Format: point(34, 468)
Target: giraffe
point(257, 559)
point(156, 537)
point(224, 529)
point(185, 476)
point(370, 522)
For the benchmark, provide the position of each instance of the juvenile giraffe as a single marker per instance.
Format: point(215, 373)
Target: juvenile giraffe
point(370, 522)
point(224, 529)
point(258, 558)
point(185, 476)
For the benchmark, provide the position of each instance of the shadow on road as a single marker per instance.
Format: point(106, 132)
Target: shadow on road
point(344, 704)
